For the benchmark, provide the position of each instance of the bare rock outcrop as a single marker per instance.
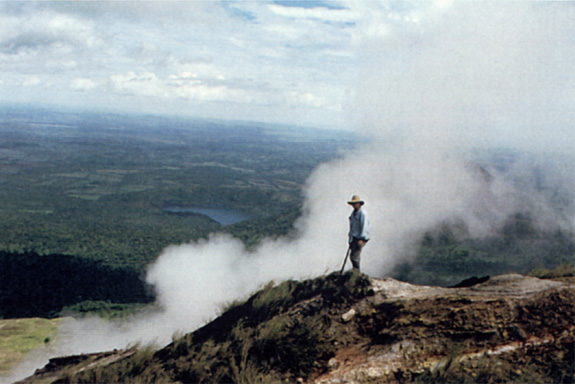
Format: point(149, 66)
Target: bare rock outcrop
point(510, 326)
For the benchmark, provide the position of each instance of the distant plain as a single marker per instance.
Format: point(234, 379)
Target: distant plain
point(98, 185)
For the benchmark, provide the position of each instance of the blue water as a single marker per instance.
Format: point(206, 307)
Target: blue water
point(222, 216)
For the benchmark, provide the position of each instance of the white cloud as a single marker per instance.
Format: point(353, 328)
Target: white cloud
point(83, 84)
point(304, 99)
point(188, 85)
point(499, 60)
point(63, 64)
point(31, 81)
point(144, 84)
point(45, 30)
point(238, 53)
point(223, 93)
point(316, 13)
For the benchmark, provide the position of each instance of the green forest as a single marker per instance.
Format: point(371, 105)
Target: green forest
point(446, 257)
point(96, 186)
point(41, 286)
point(89, 192)
point(84, 205)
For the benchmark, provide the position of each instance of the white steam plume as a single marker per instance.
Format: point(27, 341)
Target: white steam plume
point(436, 84)
point(464, 74)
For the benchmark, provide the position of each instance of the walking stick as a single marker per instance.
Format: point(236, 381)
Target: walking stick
point(345, 260)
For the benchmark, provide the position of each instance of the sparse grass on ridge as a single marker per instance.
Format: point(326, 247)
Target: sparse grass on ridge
point(564, 272)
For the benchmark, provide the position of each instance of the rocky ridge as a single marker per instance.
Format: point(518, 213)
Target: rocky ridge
point(509, 328)
point(351, 329)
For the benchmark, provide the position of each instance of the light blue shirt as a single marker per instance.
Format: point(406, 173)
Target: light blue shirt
point(358, 225)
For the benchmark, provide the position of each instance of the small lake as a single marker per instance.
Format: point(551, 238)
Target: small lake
point(221, 215)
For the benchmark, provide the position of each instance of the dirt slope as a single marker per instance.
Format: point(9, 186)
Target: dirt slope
point(350, 329)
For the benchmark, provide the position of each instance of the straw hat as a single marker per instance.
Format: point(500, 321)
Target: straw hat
point(355, 199)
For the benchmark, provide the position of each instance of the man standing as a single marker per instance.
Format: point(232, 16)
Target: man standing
point(358, 231)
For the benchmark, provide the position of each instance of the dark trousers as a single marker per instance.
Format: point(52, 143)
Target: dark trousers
point(355, 253)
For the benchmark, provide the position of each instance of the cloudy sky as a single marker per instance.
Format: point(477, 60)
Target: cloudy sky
point(256, 60)
point(329, 63)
